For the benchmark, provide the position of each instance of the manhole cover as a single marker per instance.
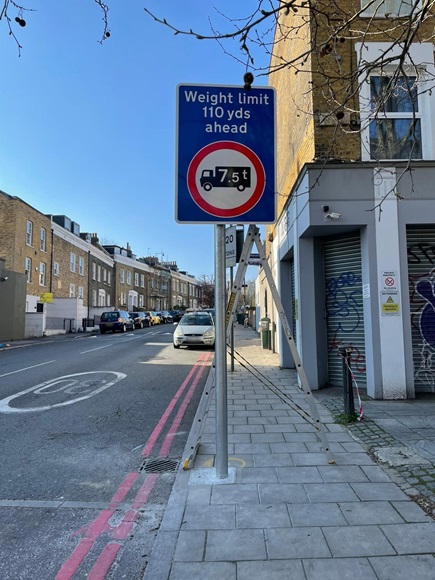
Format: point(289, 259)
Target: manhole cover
point(159, 465)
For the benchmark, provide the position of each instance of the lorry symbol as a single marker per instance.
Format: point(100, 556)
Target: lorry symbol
point(239, 177)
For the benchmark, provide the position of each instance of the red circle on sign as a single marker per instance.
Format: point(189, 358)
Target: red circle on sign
point(217, 211)
point(389, 281)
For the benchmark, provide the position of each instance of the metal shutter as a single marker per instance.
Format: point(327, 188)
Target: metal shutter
point(344, 305)
point(421, 277)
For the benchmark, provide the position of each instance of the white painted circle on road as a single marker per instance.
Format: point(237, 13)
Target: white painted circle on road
point(76, 384)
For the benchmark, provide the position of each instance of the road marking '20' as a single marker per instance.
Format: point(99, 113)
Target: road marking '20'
point(68, 384)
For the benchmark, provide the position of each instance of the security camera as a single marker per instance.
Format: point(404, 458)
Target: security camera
point(333, 215)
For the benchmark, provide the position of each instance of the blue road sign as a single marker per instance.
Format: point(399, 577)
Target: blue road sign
point(225, 161)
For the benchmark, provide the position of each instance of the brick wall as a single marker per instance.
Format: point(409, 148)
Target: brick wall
point(62, 250)
point(320, 83)
point(14, 247)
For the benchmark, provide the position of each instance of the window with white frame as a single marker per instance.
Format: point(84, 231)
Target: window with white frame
point(29, 233)
point(56, 269)
point(101, 298)
point(107, 299)
point(72, 262)
point(396, 106)
point(142, 281)
point(81, 266)
point(72, 290)
point(136, 279)
point(99, 273)
point(122, 276)
point(388, 8)
point(94, 271)
point(395, 117)
point(94, 297)
point(28, 267)
point(42, 273)
point(43, 240)
point(108, 276)
point(104, 275)
point(129, 277)
point(123, 298)
point(81, 292)
point(141, 302)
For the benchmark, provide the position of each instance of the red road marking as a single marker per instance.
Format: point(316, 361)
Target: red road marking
point(158, 428)
point(123, 489)
point(121, 532)
point(95, 529)
point(144, 492)
point(70, 567)
point(166, 445)
point(104, 562)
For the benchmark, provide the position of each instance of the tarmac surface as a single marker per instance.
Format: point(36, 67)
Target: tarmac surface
point(285, 511)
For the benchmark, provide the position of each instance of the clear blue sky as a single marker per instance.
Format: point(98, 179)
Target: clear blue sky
point(88, 130)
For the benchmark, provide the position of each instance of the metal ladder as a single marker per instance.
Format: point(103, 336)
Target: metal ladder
point(253, 236)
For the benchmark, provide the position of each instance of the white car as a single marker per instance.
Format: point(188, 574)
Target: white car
point(195, 329)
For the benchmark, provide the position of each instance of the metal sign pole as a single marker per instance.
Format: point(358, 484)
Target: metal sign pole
point(221, 356)
point(232, 325)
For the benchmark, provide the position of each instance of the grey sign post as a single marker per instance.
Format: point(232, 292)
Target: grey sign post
point(225, 173)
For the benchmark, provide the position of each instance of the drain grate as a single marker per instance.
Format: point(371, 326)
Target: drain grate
point(159, 465)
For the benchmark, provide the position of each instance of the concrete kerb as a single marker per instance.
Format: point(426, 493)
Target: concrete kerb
point(160, 561)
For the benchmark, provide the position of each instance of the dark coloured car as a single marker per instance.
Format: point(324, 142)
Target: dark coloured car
point(140, 319)
point(116, 320)
point(167, 317)
point(177, 315)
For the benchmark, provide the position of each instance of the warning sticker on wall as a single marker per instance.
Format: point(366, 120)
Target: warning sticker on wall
point(390, 302)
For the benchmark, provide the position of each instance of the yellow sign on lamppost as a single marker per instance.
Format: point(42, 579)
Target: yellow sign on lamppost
point(46, 297)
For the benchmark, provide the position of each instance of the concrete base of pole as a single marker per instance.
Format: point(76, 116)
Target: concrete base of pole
point(207, 476)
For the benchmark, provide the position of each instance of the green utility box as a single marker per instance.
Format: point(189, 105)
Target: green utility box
point(265, 332)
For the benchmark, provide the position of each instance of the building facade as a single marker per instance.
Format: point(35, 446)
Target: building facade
point(55, 279)
point(352, 251)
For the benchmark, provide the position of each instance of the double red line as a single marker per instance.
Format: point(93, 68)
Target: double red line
point(121, 532)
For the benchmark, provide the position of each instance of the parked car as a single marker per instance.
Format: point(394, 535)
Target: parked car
point(116, 320)
point(148, 319)
point(167, 317)
point(212, 311)
point(140, 320)
point(177, 315)
point(153, 317)
point(195, 328)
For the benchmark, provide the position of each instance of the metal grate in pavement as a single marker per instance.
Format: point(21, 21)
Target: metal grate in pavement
point(159, 465)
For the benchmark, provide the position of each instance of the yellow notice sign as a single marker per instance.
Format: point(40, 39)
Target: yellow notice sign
point(46, 297)
point(390, 302)
point(230, 307)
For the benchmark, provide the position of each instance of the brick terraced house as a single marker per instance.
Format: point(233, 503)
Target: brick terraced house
point(353, 248)
point(55, 279)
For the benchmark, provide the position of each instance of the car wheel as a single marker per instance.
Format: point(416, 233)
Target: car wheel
point(141, 325)
point(176, 346)
point(124, 328)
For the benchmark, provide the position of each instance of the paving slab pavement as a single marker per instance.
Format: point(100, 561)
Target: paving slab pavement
point(285, 512)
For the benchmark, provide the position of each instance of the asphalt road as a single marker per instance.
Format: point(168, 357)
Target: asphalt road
point(92, 428)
